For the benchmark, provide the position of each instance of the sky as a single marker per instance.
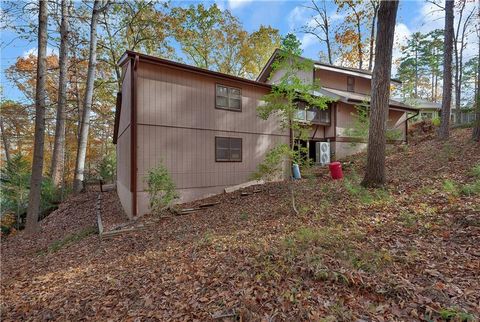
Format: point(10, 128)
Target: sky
point(287, 16)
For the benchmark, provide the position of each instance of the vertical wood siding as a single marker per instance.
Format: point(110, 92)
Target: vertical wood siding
point(178, 122)
point(123, 145)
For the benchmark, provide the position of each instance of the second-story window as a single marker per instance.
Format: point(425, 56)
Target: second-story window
point(350, 83)
point(307, 114)
point(229, 98)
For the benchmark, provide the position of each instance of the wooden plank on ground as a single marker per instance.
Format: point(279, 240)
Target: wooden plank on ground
point(243, 185)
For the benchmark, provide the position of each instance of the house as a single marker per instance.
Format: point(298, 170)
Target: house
point(203, 125)
point(427, 110)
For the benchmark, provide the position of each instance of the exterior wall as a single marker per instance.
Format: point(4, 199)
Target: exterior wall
point(177, 123)
point(305, 76)
point(123, 145)
point(337, 80)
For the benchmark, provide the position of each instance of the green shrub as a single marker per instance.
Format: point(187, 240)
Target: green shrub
point(161, 189)
point(107, 167)
point(49, 195)
point(476, 171)
point(14, 187)
point(436, 121)
point(271, 168)
point(450, 187)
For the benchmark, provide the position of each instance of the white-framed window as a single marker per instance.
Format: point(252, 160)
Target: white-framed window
point(305, 113)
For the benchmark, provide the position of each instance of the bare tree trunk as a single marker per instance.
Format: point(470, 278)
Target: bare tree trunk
point(40, 96)
point(58, 156)
point(375, 170)
point(87, 105)
point(6, 143)
point(476, 127)
point(444, 130)
point(374, 4)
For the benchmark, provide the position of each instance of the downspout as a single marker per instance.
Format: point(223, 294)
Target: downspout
point(406, 125)
point(133, 141)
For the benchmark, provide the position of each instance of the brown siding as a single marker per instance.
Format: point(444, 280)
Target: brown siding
point(123, 146)
point(177, 124)
point(336, 80)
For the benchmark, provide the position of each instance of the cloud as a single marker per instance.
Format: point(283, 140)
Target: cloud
point(34, 51)
point(235, 4)
point(308, 40)
point(402, 33)
point(297, 17)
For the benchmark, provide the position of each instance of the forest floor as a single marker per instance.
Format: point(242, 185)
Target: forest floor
point(409, 252)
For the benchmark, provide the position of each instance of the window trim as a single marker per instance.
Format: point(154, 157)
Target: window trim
point(353, 84)
point(328, 110)
point(228, 137)
point(228, 108)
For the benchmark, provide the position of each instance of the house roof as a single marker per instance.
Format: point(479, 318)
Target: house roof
point(172, 64)
point(263, 76)
point(420, 104)
point(352, 98)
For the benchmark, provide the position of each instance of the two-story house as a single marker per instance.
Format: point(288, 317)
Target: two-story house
point(203, 125)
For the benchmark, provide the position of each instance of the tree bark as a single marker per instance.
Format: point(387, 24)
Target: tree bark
point(40, 103)
point(58, 155)
point(87, 105)
point(375, 170)
point(374, 4)
point(444, 130)
point(476, 126)
point(6, 143)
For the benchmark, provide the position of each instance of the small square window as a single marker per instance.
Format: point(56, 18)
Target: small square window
point(228, 149)
point(229, 98)
point(350, 83)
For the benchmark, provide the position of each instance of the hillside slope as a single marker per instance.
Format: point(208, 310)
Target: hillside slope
point(409, 252)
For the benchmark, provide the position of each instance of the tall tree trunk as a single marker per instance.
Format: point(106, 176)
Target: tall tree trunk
point(38, 146)
point(375, 170)
point(476, 127)
point(372, 33)
point(87, 104)
point(6, 143)
point(58, 156)
point(444, 130)
point(359, 43)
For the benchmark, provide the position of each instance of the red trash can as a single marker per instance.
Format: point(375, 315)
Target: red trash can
point(336, 170)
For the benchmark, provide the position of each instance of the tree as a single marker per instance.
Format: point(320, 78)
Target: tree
point(374, 4)
point(40, 100)
point(476, 127)
point(285, 96)
point(98, 7)
point(291, 45)
point(444, 129)
point(459, 44)
point(58, 155)
point(320, 27)
point(375, 169)
point(215, 40)
point(353, 33)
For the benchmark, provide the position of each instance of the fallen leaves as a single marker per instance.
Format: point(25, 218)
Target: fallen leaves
point(407, 254)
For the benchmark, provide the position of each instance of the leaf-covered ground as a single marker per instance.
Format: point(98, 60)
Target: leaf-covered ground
point(410, 252)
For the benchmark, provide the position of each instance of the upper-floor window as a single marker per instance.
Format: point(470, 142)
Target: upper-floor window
point(308, 114)
point(350, 83)
point(228, 149)
point(229, 98)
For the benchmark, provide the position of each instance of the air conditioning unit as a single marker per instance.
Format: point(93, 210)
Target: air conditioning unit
point(322, 151)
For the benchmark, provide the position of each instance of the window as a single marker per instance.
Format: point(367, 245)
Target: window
point(228, 149)
point(350, 83)
point(305, 113)
point(229, 98)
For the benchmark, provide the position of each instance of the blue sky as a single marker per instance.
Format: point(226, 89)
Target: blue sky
point(287, 16)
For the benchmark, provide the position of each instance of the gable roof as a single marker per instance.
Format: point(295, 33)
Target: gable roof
point(355, 98)
point(267, 69)
point(192, 69)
